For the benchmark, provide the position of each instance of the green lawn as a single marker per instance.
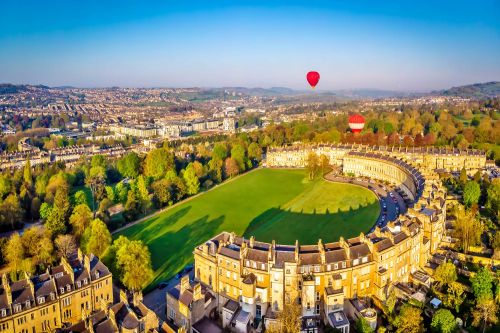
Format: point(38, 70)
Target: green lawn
point(267, 203)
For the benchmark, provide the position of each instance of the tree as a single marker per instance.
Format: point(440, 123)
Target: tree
point(456, 296)
point(38, 244)
point(131, 209)
point(255, 152)
point(95, 181)
point(143, 193)
point(66, 245)
point(390, 303)
point(5, 186)
point(14, 252)
point(158, 162)
point(96, 238)
point(468, 228)
point(362, 326)
point(80, 219)
point(463, 178)
point(409, 320)
point(472, 192)
point(162, 194)
point(219, 152)
point(493, 197)
point(443, 321)
point(129, 165)
point(56, 221)
point(11, 211)
point(45, 209)
point(312, 165)
point(324, 162)
point(231, 167)
point(238, 154)
point(133, 260)
point(288, 320)
point(482, 283)
point(446, 274)
point(80, 198)
point(215, 169)
point(484, 312)
point(191, 180)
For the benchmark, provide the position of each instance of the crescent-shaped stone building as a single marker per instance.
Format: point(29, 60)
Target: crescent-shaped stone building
point(249, 281)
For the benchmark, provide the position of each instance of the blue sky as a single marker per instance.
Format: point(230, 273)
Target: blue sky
point(403, 45)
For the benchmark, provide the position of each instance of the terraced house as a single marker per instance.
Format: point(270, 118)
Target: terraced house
point(63, 295)
point(252, 281)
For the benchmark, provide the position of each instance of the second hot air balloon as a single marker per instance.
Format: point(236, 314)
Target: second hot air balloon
point(313, 78)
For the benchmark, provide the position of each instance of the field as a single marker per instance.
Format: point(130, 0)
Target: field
point(267, 203)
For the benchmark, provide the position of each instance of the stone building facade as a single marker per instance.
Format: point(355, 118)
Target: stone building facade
point(65, 294)
point(261, 278)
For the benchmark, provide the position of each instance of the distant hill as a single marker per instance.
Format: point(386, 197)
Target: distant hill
point(8, 88)
point(476, 90)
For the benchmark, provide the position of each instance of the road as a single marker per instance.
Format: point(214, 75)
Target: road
point(394, 208)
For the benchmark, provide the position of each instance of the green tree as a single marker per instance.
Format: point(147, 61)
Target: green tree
point(10, 211)
point(215, 167)
point(143, 193)
point(443, 321)
point(5, 186)
point(56, 221)
point(362, 326)
point(445, 274)
point(80, 219)
point(463, 178)
point(96, 238)
point(482, 284)
point(80, 198)
point(96, 182)
point(129, 165)
point(493, 197)
point(132, 207)
point(255, 152)
point(45, 209)
point(219, 152)
point(133, 260)
point(312, 165)
point(191, 180)
point(238, 154)
point(409, 320)
point(472, 192)
point(158, 162)
point(390, 303)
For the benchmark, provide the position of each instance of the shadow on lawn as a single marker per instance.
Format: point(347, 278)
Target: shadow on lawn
point(285, 226)
point(172, 250)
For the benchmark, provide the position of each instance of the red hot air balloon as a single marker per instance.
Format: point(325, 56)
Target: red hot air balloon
point(356, 123)
point(313, 78)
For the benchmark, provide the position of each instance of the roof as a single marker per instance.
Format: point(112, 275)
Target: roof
point(338, 319)
point(242, 317)
point(231, 306)
point(205, 325)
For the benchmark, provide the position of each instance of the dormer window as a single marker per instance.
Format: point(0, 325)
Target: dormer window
point(41, 300)
point(3, 313)
point(52, 296)
point(96, 274)
point(85, 281)
point(28, 304)
point(78, 284)
point(17, 307)
point(62, 290)
point(68, 287)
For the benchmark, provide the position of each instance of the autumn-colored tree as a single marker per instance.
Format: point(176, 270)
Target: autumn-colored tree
point(231, 167)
